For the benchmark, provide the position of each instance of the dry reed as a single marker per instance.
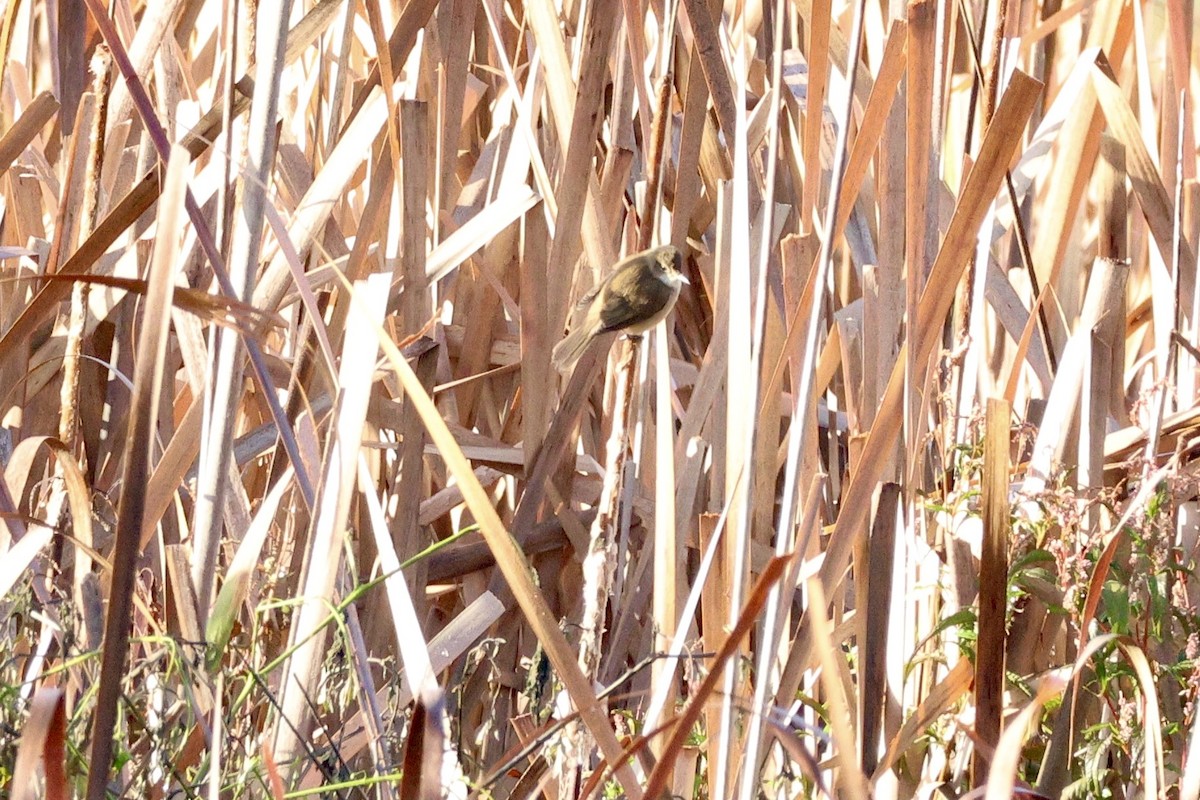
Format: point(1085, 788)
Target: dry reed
point(294, 503)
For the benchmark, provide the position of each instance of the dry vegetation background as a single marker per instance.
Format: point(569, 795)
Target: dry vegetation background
point(902, 502)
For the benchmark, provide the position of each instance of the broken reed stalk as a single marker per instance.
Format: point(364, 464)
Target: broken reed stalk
point(599, 563)
point(597, 567)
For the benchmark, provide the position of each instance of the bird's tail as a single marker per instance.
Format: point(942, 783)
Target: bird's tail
point(568, 351)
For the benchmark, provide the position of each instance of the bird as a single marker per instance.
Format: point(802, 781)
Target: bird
point(636, 295)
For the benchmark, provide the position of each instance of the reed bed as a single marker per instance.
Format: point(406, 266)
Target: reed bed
point(901, 501)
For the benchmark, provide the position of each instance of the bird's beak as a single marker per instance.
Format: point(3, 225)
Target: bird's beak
point(683, 278)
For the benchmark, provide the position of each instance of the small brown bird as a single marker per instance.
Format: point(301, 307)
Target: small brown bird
point(638, 293)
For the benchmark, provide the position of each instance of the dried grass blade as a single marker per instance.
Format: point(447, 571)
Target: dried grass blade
point(28, 125)
point(1105, 292)
point(542, 18)
point(870, 129)
point(819, 21)
point(422, 779)
point(936, 701)
point(43, 739)
point(20, 555)
point(849, 777)
point(169, 473)
point(1153, 198)
point(480, 229)
point(217, 309)
point(695, 597)
point(319, 201)
point(1001, 780)
point(139, 448)
point(414, 650)
point(993, 584)
point(706, 40)
point(6, 31)
point(18, 474)
point(874, 644)
point(328, 527)
point(236, 585)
